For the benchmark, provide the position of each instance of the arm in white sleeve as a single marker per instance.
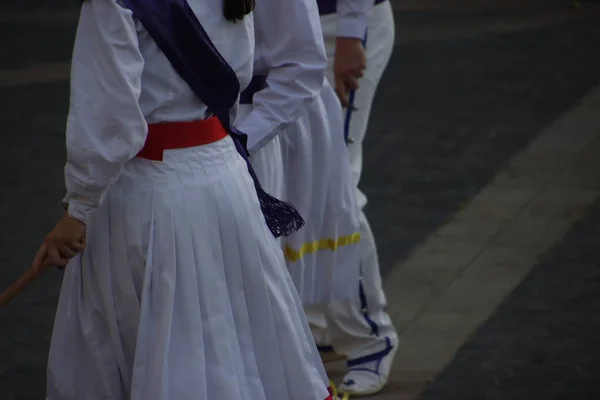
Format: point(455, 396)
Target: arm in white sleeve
point(290, 42)
point(353, 17)
point(105, 126)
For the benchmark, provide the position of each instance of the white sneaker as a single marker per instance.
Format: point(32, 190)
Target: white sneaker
point(369, 374)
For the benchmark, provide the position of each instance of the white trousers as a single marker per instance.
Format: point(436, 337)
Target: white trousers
point(359, 327)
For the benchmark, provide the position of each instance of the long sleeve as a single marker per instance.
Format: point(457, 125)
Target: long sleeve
point(290, 44)
point(353, 17)
point(105, 126)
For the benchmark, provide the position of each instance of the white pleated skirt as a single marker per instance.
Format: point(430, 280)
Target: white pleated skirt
point(323, 258)
point(182, 293)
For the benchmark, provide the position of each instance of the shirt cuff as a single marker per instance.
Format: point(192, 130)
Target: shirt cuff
point(259, 131)
point(80, 209)
point(352, 27)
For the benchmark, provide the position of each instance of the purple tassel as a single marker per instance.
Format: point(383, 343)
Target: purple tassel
point(281, 217)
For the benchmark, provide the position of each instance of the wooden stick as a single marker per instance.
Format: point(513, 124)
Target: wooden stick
point(18, 286)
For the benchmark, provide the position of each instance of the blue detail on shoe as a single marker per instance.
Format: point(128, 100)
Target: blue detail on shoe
point(354, 364)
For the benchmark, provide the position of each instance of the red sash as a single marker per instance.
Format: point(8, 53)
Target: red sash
point(180, 135)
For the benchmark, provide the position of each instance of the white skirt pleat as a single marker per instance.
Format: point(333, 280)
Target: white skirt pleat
point(323, 258)
point(182, 293)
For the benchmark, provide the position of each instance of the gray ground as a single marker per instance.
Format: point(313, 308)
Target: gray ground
point(459, 98)
point(542, 343)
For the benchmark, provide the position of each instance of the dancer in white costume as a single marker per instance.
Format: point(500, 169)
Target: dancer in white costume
point(290, 48)
point(291, 99)
point(360, 330)
point(181, 292)
point(289, 73)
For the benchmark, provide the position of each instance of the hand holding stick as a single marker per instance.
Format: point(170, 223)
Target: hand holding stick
point(64, 242)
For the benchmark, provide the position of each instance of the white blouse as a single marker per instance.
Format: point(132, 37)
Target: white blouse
point(353, 17)
point(290, 50)
point(120, 81)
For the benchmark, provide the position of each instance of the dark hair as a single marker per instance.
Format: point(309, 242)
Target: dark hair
point(234, 10)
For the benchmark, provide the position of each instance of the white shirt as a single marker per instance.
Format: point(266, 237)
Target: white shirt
point(120, 81)
point(291, 52)
point(353, 17)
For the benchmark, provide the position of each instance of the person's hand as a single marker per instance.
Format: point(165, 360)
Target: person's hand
point(349, 64)
point(64, 242)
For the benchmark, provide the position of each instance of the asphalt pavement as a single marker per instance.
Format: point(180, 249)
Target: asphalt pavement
point(470, 84)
